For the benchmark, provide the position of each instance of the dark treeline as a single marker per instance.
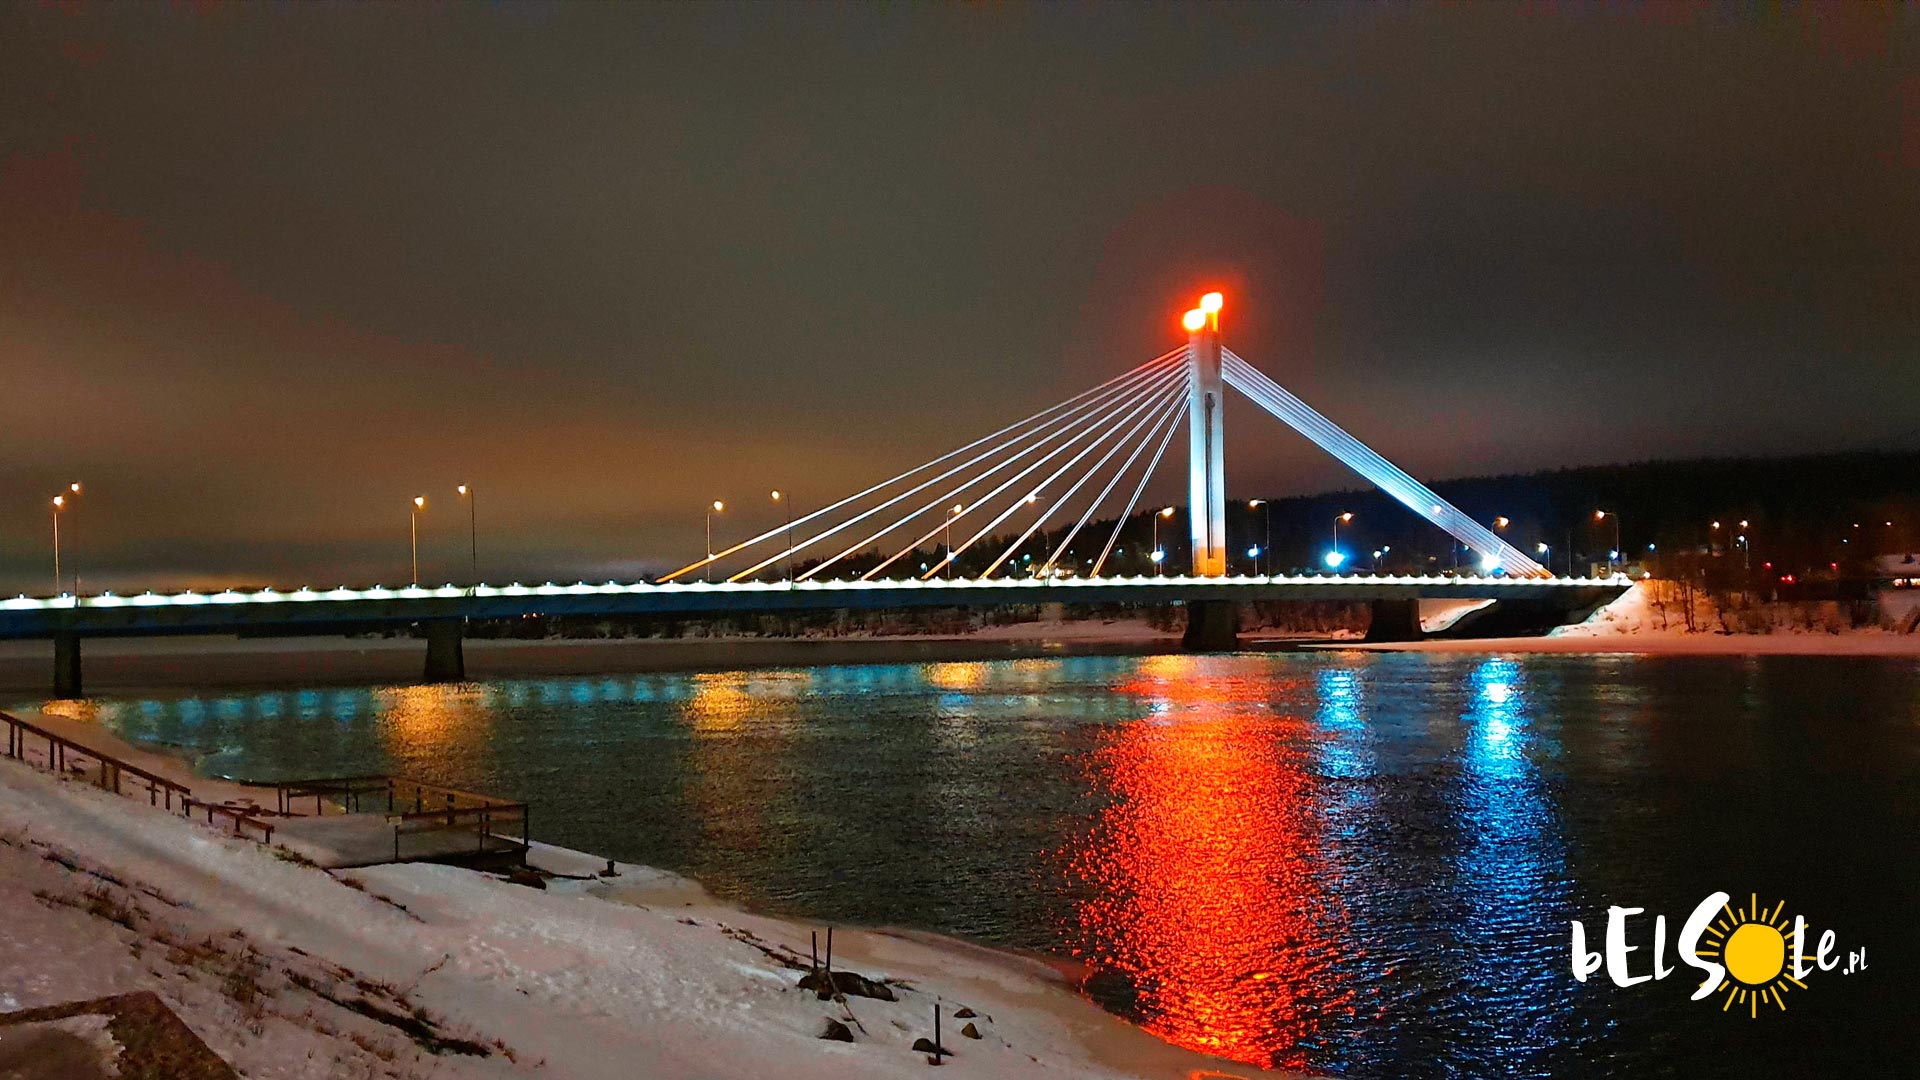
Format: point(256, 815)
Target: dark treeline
point(1810, 517)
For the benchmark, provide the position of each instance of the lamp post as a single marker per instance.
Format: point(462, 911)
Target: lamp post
point(1159, 557)
point(64, 501)
point(715, 507)
point(419, 504)
point(788, 506)
point(59, 501)
point(1266, 531)
point(957, 510)
point(1339, 520)
point(1613, 556)
point(1746, 548)
point(473, 530)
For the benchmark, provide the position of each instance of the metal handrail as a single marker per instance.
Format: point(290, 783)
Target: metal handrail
point(159, 788)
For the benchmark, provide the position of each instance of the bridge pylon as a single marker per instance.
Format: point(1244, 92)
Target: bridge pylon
point(1206, 452)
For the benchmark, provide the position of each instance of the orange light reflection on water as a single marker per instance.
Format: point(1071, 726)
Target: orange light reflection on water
point(1205, 868)
point(433, 721)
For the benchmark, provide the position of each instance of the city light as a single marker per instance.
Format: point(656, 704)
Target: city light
point(1335, 558)
point(1490, 563)
point(1212, 303)
point(1194, 320)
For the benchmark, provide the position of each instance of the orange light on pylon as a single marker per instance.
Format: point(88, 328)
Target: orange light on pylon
point(1194, 320)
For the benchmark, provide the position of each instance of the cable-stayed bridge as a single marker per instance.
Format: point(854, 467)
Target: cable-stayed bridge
point(898, 543)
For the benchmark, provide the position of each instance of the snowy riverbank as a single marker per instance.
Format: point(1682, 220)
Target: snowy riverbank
point(1636, 623)
point(430, 971)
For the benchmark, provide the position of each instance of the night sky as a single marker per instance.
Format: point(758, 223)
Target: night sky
point(268, 272)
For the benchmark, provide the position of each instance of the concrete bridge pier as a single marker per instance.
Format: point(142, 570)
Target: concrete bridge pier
point(1395, 620)
point(446, 659)
point(1212, 626)
point(66, 666)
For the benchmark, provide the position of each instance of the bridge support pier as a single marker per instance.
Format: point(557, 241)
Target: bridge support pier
point(1395, 620)
point(1212, 626)
point(66, 666)
point(446, 659)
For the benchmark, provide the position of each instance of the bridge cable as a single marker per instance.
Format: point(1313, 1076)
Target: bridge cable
point(1141, 402)
point(1170, 419)
point(1389, 477)
point(1146, 407)
point(1145, 373)
point(1075, 434)
point(823, 511)
point(1137, 491)
point(1150, 422)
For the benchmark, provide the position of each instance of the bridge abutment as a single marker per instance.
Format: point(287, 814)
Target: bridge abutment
point(446, 656)
point(1212, 626)
point(66, 666)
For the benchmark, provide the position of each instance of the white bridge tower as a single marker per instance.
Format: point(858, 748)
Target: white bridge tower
point(1206, 457)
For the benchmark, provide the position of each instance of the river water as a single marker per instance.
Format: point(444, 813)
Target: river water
point(1348, 863)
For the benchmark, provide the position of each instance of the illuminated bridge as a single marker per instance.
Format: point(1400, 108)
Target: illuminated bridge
point(1066, 464)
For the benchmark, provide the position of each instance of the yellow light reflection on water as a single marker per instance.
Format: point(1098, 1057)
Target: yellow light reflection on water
point(719, 702)
point(429, 721)
point(957, 676)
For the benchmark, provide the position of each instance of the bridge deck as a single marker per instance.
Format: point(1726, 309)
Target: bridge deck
point(191, 612)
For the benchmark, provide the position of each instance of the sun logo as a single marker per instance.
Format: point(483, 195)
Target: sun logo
point(1753, 945)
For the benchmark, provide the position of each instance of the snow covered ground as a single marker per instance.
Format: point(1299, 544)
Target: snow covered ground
point(1634, 623)
point(288, 970)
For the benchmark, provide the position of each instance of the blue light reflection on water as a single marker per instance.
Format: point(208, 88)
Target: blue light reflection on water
point(1403, 837)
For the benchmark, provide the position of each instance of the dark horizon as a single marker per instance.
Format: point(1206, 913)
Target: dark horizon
point(271, 272)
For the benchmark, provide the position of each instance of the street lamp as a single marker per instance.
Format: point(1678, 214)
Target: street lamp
point(419, 504)
point(1254, 554)
point(1266, 532)
point(59, 501)
point(1159, 557)
point(787, 505)
point(1613, 556)
point(1339, 520)
point(951, 514)
point(713, 508)
point(465, 491)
